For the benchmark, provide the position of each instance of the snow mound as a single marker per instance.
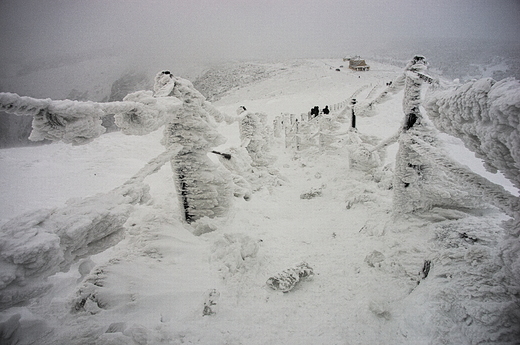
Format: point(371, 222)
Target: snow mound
point(232, 253)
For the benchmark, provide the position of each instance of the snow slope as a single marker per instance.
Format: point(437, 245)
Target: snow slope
point(368, 288)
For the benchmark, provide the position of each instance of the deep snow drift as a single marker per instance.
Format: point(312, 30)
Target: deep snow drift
point(376, 279)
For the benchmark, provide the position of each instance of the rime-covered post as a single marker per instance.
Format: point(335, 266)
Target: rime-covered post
point(204, 189)
point(353, 118)
point(287, 129)
point(277, 127)
point(255, 135)
point(411, 168)
point(297, 134)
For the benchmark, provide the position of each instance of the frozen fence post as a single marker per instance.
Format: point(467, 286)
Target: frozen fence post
point(289, 129)
point(286, 128)
point(255, 136)
point(353, 118)
point(297, 134)
point(277, 127)
point(412, 171)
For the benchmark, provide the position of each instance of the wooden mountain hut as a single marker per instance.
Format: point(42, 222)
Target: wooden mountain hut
point(358, 64)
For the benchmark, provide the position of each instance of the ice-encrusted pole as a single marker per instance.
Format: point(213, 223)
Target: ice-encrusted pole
point(255, 136)
point(411, 169)
point(204, 188)
point(353, 116)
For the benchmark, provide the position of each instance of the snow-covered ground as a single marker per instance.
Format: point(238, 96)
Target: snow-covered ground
point(368, 285)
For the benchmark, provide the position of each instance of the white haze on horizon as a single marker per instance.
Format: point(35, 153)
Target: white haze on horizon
point(204, 30)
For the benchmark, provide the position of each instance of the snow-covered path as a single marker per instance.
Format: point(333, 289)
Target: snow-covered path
point(345, 301)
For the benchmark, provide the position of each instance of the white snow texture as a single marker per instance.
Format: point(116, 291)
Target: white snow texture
point(163, 285)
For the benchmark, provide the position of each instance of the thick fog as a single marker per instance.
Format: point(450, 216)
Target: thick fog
point(206, 30)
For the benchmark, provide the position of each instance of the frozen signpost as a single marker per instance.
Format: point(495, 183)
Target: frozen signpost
point(203, 187)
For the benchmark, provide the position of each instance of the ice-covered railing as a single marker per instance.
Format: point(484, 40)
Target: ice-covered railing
point(485, 114)
point(483, 188)
point(40, 243)
point(461, 113)
point(77, 123)
point(306, 130)
point(303, 132)
point(174, 103)
point(36, 245)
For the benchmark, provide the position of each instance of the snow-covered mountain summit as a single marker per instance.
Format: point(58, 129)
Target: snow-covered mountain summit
point(377, 279)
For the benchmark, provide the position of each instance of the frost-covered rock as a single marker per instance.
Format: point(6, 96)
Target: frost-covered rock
point(211, 302)
point(287, 280)
point(374, 258)
point(313, 193)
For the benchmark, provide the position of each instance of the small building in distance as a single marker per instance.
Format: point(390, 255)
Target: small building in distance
point(357, 63)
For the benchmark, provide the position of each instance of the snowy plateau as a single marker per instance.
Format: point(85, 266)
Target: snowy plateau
point(378, 277)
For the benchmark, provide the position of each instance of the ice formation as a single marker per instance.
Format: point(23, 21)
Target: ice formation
point(41, 243)
point(485, 114)
point(425, 177)
point(203, 187)
point(255, 136)
point(473, 286)
point(287, 280)
point(71, 121)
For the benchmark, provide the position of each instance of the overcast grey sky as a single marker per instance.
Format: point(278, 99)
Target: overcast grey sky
point(207, 29)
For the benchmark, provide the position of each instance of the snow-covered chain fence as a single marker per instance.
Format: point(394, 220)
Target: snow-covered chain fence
point(485, 114)
point(73, 122)
point(38, 244)
point(203, 187)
